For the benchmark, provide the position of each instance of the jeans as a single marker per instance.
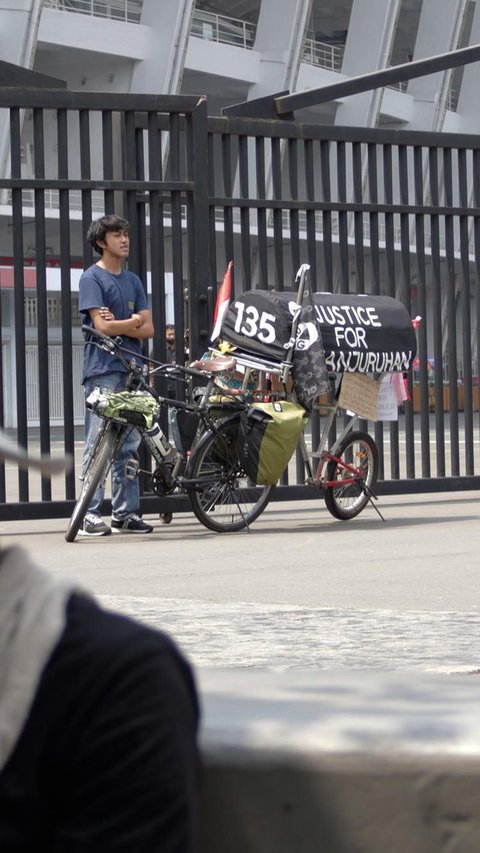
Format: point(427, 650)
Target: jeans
point(125, 493)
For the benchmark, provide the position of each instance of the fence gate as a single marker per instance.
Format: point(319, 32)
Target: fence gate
point(371, 211)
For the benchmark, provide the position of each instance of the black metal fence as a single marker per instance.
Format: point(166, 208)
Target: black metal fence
point(371, 211)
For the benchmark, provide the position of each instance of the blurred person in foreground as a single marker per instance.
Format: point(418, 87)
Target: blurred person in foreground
point(98, 720)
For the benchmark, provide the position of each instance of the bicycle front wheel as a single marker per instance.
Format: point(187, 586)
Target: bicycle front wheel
point(101, 458)
point(355, 475)
point(222, 497)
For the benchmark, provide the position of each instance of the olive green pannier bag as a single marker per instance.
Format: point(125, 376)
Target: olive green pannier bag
point(269, 433)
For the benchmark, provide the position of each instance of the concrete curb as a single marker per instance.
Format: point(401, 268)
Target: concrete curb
point(303, 762)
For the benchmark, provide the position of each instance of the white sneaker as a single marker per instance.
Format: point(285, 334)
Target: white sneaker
point(93, 526)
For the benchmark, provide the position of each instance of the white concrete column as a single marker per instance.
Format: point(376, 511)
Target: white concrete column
point(371, 32)
point(19, 22)
point(438, 32)
point(279, 41)
point(161, 71)
point(467, 117)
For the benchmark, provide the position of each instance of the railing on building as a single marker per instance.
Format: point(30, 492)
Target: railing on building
point(118, 10)
point(220, 28)
point(452, 100)
point(322, 54)
point(401, 86)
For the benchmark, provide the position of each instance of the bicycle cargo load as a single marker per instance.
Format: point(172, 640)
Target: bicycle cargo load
point(133, 407)
point(368, 334)
point(269, 433)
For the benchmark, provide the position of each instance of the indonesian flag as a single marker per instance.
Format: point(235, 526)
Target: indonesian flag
point(222, 303)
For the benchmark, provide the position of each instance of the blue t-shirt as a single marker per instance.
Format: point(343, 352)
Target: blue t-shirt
point(124, 295)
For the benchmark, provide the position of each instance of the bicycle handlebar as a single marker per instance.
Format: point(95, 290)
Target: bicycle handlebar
point(115, 345)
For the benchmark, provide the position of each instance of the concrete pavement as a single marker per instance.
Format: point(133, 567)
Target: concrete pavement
point(337, 664)
point(301, 589)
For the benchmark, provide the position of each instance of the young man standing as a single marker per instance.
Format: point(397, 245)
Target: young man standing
point(113, 301)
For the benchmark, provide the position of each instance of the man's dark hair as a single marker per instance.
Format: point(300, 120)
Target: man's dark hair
point(101, 227)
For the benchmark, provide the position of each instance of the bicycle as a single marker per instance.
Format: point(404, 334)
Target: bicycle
point(222, 496)
point(209, 473)
point(263, 340)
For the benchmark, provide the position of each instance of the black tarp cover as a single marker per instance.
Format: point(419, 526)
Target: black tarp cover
point(368, 334)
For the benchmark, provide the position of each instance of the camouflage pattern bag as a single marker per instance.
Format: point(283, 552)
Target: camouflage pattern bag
point(138, 408)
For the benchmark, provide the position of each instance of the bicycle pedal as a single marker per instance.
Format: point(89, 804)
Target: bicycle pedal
point(131, 469)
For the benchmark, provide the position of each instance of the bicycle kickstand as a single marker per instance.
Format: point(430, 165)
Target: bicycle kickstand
point(371, 496)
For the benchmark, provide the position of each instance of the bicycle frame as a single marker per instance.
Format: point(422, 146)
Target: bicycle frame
point(324, 455)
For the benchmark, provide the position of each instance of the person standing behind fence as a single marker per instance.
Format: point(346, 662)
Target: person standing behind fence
point(113, 301)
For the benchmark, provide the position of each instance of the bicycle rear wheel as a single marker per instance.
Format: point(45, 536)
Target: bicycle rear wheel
point(101, 458)
point(351, 494)
point(223, 499)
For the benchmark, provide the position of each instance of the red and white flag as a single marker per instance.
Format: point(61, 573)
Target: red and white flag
point(223, 301)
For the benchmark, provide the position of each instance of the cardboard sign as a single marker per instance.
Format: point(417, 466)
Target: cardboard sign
point(359, 394)
point(375, 400)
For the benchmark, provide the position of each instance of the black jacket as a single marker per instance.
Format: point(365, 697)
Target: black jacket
point(107, 760)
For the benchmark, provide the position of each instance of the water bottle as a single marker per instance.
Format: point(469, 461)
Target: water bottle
point(157, 441)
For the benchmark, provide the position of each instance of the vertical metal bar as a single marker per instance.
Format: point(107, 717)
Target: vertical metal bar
point(451, 312)
point(200, 273)
point(390, 259)
point(108, 156)
point(157, 239)
point(19, 296)
point(244, 210)
point(157, 256)
point(131, 164)
point(277, 213)
point(466, 320)
point(403, 284)
point(422, 303)
point(65, 287)
point(261, 212)
point(373, 218)
point(212, 221)
point(359, 271)
point(476, 234)
point(437, 313)
point(177, 228)
point(358, 217)
point(310, 213)
point(375, 277)
point(294, 213)
point(389, 220)
point(327, 214)
point(325, 173)
point(405, 298)
point(342, 216)
point(141, 213)
point(85, 175)
point(228, 192)
point(42, 316)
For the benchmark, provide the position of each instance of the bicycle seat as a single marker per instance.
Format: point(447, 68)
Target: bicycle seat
point(215, 365)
